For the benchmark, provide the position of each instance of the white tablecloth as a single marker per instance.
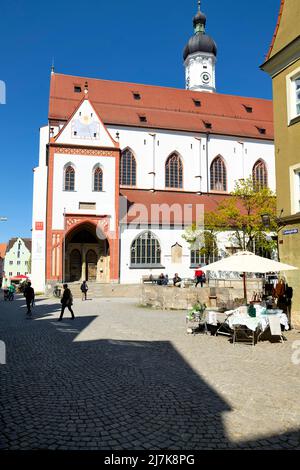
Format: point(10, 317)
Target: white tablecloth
point(261, 321)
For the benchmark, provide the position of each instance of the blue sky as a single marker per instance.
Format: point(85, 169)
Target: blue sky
point(133, 40)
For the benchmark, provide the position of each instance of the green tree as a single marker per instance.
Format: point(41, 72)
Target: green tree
point(241, 214)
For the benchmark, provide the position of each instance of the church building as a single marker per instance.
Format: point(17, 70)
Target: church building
point(124, 168)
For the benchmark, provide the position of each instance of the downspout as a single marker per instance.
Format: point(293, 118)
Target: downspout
point(153, 162)
point(207, 170)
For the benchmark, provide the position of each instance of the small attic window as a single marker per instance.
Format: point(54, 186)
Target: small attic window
point(208, 125)
point(136, 95)
point(248, 108)
point(197, 103)
point(142, 118)
point(77, 89)
point(261, 130)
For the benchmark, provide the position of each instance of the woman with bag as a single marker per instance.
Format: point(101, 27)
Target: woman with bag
point(66, 301)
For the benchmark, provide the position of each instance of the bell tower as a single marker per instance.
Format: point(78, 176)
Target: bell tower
point(200, 57)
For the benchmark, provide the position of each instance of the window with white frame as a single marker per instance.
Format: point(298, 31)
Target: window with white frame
point(293, 92)
point(297, 190)
point(297, 95)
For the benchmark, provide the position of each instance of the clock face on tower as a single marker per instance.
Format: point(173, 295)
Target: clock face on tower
point(205, 77)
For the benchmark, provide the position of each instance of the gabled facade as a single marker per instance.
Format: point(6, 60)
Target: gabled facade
point(17, 258)
point(283, 65)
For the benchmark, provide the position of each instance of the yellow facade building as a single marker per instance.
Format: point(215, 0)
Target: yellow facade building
point(283, 65)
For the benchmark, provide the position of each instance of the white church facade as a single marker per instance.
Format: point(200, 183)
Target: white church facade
point(124, 168)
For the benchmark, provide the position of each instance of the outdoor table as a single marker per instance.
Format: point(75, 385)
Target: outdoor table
point(258, 323)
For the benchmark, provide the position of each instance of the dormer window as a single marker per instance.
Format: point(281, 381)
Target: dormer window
point(136, 95)
point(197, 103)
point(248, 108)
point(208, 125)
point(143, 118)
point(77, 89)
point(261, 130)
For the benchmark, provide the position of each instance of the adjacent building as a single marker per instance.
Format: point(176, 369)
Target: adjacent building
point(17, 258)
point(283, 65)
point(124, 167)
point(2, 256)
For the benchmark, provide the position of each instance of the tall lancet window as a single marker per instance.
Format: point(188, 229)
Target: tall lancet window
point(98, 179)
point(174, 172)
point(69, 183)
point(260, 175)
point(128, 169)
point(218, 175)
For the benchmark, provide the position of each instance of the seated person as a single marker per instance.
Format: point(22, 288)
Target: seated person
point(160, 281)
point(166, 280)
point(176, 280)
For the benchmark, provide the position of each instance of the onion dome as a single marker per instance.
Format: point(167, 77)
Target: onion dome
point(200, 42)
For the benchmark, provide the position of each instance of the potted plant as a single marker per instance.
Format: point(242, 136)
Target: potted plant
point(196, 312)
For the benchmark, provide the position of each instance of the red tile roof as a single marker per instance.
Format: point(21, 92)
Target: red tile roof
point(2, 250)
point(276, 30)
point(142, 206)
point(164, 108)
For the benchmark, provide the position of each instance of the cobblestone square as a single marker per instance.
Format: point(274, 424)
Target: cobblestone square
point(124, 377)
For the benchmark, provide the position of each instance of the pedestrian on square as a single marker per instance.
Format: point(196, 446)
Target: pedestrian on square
point(29, 296)
point(66, 301)
point(84, 288)
point(200, 277)
point(11, 292)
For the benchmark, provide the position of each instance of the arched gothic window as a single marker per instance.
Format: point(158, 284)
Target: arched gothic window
point(174, 172)
point(145, 250)
point(260, 175)
point(98, 179)
point(218, 176)
point(69, 184)
point(128, 169)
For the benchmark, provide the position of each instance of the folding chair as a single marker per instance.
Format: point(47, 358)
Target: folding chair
point(224, 328)
point(275, 327)
point(245, 337)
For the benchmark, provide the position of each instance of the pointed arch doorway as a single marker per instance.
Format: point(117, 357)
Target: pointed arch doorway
point(86, 256)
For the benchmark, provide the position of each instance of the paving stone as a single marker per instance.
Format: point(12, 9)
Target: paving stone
point(133, 379)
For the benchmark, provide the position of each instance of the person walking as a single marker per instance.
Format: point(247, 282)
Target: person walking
point(200, 276)
point(66, 301)
point(29, 296)
point(11, 292)
point(84, 288)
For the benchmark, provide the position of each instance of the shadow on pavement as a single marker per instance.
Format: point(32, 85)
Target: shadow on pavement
point(58, 392)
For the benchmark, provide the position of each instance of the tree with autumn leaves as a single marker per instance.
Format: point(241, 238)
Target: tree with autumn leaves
point(240, 215)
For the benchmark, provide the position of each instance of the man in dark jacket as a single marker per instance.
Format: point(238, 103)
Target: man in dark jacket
point(29, 296)
point(84, 288)
point(66, 301)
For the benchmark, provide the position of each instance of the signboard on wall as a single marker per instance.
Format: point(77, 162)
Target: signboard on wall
point(290, 231)
point(39, 226)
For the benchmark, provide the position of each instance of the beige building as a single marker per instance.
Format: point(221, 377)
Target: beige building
point(283, 65)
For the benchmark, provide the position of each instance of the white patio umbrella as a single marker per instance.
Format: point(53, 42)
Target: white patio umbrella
point(247, 262)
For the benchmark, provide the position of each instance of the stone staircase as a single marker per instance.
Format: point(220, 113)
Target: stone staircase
point(98, 290)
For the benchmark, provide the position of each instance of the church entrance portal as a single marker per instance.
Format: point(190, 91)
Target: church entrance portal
point(86, 256)
point(75, 265)
point(91, 266)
